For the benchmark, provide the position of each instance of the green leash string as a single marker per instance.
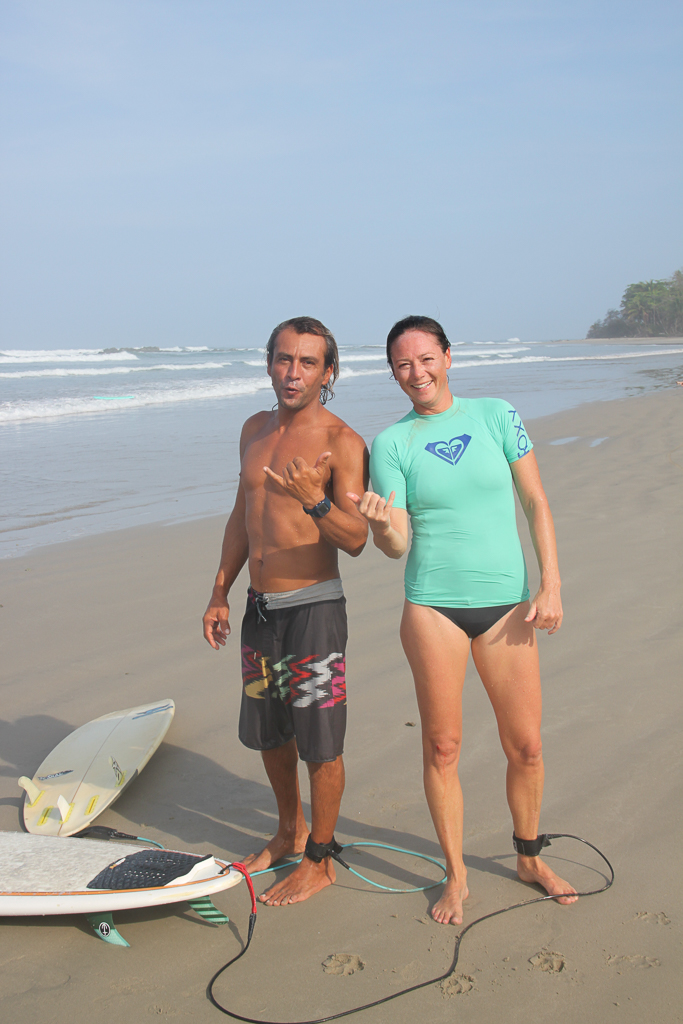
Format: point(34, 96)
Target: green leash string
point(378, 885)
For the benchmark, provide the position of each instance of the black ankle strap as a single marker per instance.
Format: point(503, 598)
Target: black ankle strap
point(318, 851)
point(530, 847)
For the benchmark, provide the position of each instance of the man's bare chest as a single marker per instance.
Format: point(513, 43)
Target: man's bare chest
point(277, 452)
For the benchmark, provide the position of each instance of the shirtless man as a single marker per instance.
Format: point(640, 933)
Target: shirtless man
point(291, 516)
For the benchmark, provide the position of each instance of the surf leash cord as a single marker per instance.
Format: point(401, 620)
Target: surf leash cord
point(412, 988)
point(103, 832)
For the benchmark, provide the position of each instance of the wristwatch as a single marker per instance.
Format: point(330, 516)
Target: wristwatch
point(320, 510)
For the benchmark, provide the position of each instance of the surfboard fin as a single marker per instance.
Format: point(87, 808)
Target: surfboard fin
point(64, 807)
point(31, 789)
point(103, 925)
point(206, 910)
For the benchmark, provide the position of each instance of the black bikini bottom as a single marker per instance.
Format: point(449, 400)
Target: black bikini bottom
point(475, 621)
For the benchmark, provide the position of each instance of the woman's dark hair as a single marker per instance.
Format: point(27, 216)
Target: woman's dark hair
point(307, 325)
point(417, 323)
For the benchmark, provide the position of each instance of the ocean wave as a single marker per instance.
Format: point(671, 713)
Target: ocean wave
point(188, 348)
point(362, 358)
point(612, 356)
point(110, 370)
point(493, 351)
point(344, 373)
point(35, 409)
point(464, 363)
point(63, 355)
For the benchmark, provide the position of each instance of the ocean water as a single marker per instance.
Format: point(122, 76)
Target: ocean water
point(100, 439)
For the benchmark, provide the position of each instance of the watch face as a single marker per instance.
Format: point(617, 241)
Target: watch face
point(322, 508)
point(319, 510)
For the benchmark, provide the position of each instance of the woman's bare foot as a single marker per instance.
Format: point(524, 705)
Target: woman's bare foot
point(305, 880)
point(533, 869)
point(448, 908)
point(289, 845)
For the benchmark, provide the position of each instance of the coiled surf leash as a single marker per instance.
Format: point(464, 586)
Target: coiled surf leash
point(521, 846)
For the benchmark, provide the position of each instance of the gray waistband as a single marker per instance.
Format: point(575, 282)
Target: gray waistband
point(330, 590)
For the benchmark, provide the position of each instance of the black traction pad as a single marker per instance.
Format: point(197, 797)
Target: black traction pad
point(146, 869)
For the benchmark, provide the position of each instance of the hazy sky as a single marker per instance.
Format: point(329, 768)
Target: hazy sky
point(191, 172)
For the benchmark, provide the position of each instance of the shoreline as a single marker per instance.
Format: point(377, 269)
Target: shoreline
point(166, 521)
point(113, 620)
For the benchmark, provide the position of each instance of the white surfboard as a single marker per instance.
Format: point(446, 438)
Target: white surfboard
point(49, 875)
point(91, 767)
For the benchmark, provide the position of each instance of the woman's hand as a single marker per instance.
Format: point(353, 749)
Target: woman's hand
point(389, 525)
point(375, 509)
point(546, 609)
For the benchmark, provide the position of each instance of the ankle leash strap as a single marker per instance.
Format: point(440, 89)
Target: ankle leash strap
point(318, 851)
point(530, 847)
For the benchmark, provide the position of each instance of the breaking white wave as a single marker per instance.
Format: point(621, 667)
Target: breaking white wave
point(187, 348)
point(491, 351)
point(93, 372)
point(613, 356)
point(45, 409)
point(344, 373)
point(343, 358)
point(62, 355)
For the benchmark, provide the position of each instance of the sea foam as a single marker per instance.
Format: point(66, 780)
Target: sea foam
point(36, 409)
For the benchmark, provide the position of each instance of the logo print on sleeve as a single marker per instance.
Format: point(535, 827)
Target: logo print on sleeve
point(450, 451)
point(522, 439)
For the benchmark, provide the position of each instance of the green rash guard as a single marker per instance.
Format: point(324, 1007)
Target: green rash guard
point(451, 472)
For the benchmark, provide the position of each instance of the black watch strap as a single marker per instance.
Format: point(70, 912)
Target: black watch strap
point(319, 510)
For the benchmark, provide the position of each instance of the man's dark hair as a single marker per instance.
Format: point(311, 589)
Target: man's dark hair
point(307, 325)
point(417, 323)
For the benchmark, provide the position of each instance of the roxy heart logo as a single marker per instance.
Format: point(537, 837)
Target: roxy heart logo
point(450, 451)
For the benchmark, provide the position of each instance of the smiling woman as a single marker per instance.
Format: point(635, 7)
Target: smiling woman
point(449, 465)
point(419, 369)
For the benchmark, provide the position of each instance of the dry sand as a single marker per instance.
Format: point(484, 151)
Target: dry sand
point(113, 621)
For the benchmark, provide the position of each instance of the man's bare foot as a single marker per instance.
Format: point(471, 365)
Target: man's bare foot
point(532, 869)
point(305, 880)
point(448, 908)
point(278, 847)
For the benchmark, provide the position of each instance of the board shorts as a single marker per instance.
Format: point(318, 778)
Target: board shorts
point(294, 671)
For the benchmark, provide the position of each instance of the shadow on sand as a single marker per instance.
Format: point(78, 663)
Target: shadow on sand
point(186, 795)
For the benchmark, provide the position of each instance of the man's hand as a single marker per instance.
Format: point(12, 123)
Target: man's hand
point(375, 509)
point(216, 625)
point(303, 482)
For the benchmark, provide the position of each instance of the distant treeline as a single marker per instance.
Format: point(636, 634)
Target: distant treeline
point(649, 309)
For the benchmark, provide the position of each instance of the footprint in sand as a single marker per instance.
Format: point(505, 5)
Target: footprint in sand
point(457, 984)
point(652, 918)
point(343, 963)
point(626, 962)
point(547, 960)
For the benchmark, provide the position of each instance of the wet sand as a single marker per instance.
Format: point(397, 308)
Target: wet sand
point(112, 621)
